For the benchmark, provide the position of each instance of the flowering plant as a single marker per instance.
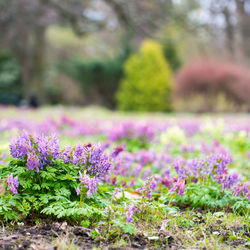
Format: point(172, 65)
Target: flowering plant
point(46, 178)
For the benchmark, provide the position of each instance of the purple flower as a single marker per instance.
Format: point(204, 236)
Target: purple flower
point(150, 186)
point(97, 162)
point(53, 145)
point(90, 183)
point(66, 154)
point(167, 182)
point(229, 180)
point(37, 150)
point(242, 189)
point(78, 154)
point(178, 187)
point(78, 191)
point(19, 147)
point(117, 151)
point(13, 183)
point(32, 162)
point(130, 210)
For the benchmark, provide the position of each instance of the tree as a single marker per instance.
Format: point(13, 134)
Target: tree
point(10, 81)
point(229, 22)
point(147, 82)
point(24, 24)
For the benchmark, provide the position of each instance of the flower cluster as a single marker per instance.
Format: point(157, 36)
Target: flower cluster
point(91, 157)
point(175, 185)
point(117, 150)
point(131, 164)
point(213, 165)
point(129, 130)
point(242, 189)
point(90, 183)
point(228, 180)
point(37, 151)
point(178, 186)
point(150, 186)
point(13, 183)
point(130, 210)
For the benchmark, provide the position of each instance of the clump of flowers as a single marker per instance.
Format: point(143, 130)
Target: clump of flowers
point(97, 161)
point(150, 186)
point(36, 151)
point(212, 168)
point(174, 185)
point(90, 157)
point(214, 165)
point(40, 151)
point(228, 180)
point(178, 186)
point(93, 160)
point(90, 183)
point(117, 150)
point(129, 130)
point(242, 189)
point(12, 183)
point(130, 210)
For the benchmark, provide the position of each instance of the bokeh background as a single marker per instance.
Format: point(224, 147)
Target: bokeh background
point(142, 55)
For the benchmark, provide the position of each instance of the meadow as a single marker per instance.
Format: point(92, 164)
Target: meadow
point(91, 178)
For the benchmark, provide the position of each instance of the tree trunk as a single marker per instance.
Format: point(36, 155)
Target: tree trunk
point(31, 57)
point(243, 27)
point(38, 64)
point(230, 36)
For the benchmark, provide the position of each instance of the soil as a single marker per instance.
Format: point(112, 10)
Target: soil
point(41, 237)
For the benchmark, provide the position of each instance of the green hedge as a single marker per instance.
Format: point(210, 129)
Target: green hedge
point(10, 79)
point(97, 77)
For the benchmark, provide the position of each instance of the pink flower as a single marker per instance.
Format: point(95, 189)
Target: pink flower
point(13, 183)
point(178, 187)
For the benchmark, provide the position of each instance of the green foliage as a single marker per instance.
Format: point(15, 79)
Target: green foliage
point(147, 82)
point(10, 79)
point(99, 77)
point(212, 197)
point(52, 191)
point(135, 144)
point(171, 54)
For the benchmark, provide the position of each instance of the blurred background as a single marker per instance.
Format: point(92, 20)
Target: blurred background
point(142, 55)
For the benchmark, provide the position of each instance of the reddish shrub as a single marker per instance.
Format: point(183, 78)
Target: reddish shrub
point(211, 78)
